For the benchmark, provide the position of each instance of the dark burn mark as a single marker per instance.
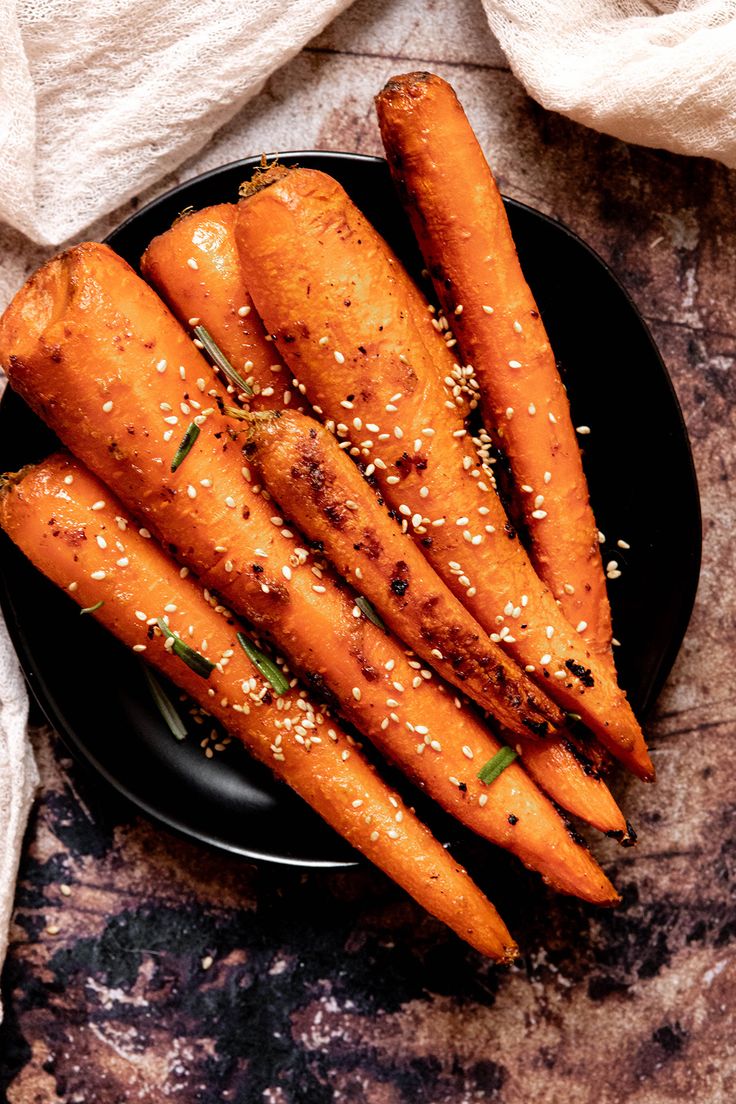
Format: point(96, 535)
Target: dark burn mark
point(257, 568)
point(539, 728)
point(399, 586)
point(512, 819)
point(509, 530)
point(583, 673)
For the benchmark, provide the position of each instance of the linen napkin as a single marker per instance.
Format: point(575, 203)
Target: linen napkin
point(100, 100)
point(18, 778)
point(656, 72)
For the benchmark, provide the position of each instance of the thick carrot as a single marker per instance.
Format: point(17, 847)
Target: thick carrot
point(195, 268)
point(316, 484)
point(306, 251)
point(72, 529)
point(464, 233)
point(94, 351)
point(322, 490)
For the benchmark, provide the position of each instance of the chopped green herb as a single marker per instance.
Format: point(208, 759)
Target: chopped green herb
point(216, 355)
point(163, 704)
point(266, 666)
point(92, 609)
point(184, 448)
point(193, 659)
point(490, 771)
point(365, 607)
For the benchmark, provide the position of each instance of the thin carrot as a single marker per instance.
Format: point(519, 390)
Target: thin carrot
point(72, 529)
point(94, 351)
point(196, 270)
point(463, 231)
point(306, 251)
point(319, 487)
point(315, 483)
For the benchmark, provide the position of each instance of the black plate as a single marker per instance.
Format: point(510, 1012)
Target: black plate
point(642, 484)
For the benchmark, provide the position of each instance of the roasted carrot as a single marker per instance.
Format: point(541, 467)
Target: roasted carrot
point(94, 351)
point(317, 486)
point(196, 270)
point(306, 251)
point(315, 483)
point(463, 231)
point(72, 530)
point(210, 294)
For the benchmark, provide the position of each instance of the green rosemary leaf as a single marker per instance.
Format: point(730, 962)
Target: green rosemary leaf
point(184, 448)
point(194, 660)
point(365, 607)
point(164, 705)
point(266, 666)
point(216, 355)
point(92, 609)
point(490, 771)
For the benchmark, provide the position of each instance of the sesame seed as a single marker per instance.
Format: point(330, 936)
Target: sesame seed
point(547, 476)
point(356, 693)
point(192, 263)
point(581, 626)
point(509, 412)
point(230, 501)
point(623, 544)
point(398, 432)
point(482, 800)
point(319, 589)
point(545, 659)
point(171, 420)
point(101, 542)
point(324, 340)
point(514, 364)
point(560, 674)
point(243, 312)
point(530, 668)
point(488, 310)
point(123, 561)
point(107, 407)
point(98, 575)
point(539, 514)
point(552, 418)
point(532, 408)
point(435, 745)
point(517, 327)
point(550, 632)
point(467, 752)
point(192, 491)
point(583, 430)
point(338, 356)
point(398, 686)
point(98, 505)
point(161, 367)
point(68, 479)
point(569, 588)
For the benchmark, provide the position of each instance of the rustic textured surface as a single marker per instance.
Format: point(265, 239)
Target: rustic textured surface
point(334, 987)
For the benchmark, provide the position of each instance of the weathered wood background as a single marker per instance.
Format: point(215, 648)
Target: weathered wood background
point(178, 973)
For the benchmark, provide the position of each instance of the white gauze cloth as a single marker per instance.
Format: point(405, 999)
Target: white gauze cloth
point(18, 778)
point(654, 72)
point(99, 100)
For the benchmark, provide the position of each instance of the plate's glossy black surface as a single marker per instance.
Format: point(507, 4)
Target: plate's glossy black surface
point(643, 490)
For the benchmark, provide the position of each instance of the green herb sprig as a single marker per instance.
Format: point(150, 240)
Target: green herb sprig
point(365, 607)
point(92, 609)
point(270, 671)
point(164, 705)
point(185, 447)
point(216, 355)
point(490, 771)
point(194, 660)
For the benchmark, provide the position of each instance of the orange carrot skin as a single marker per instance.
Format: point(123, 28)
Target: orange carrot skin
point(329, 773)
point(214, 295)
point(317, 485)
point(86, 332)
point(306, 250)
point(464, 234)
